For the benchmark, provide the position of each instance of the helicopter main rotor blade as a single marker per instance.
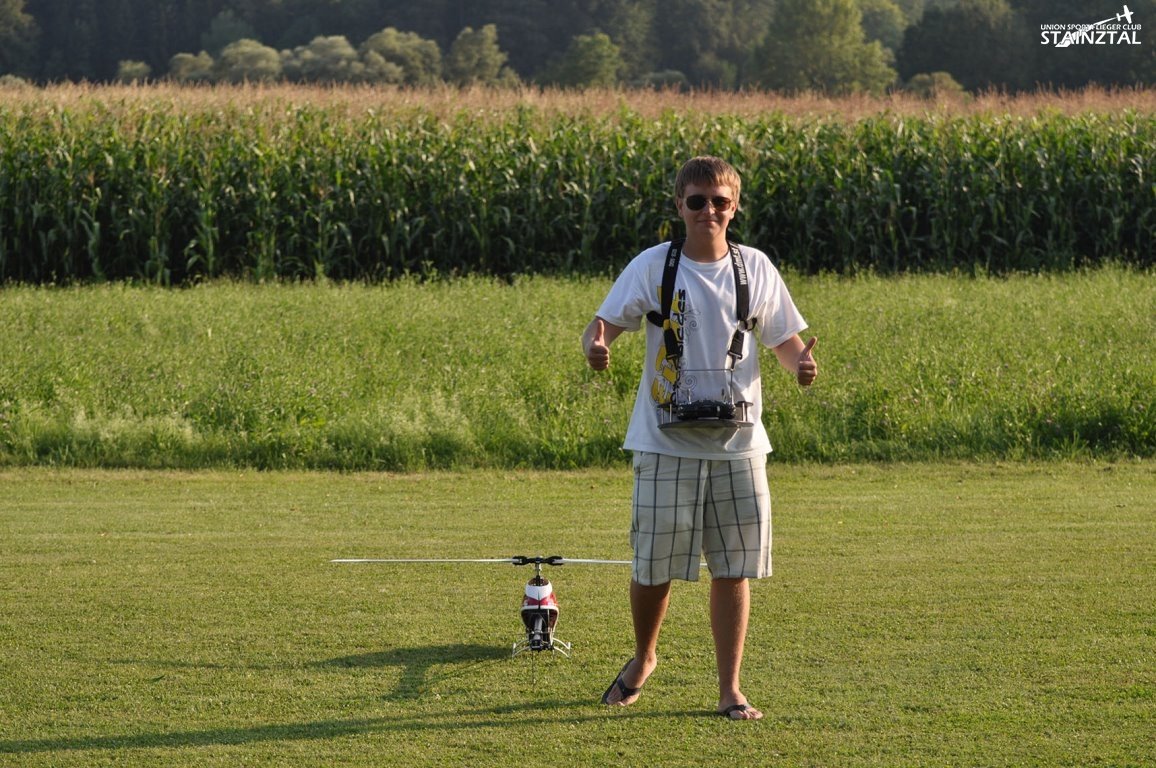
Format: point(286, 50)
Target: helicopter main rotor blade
point(507, 560)
point(568, 560)
point(517, 560)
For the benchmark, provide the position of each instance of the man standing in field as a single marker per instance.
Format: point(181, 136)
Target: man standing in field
point(700, 448)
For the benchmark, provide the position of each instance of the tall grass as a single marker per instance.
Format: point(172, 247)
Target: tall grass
point(172, 188)
point(481, 373)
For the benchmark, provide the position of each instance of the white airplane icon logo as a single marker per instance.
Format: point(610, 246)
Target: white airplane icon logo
point(1072, 37)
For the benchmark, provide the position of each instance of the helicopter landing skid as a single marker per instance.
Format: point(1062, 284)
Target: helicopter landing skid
point(555, 646)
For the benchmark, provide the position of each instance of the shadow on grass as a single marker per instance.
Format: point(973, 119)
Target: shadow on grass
point(417, 663)
point(520, 715)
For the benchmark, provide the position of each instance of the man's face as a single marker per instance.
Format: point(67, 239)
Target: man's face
point(708, 220)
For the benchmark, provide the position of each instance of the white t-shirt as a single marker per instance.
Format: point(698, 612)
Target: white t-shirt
point(704, 309)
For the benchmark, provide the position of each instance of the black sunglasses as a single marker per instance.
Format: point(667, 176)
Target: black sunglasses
point(719, 203)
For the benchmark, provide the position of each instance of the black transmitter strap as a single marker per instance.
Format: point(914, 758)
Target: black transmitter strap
point(666, 299)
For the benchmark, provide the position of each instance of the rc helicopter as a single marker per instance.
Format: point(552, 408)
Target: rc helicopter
point(540, 608)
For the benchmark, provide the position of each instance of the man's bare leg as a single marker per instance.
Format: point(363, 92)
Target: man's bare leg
point(730, 608)
point(648, 606)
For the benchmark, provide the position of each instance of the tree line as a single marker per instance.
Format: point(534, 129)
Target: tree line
point(836, 46)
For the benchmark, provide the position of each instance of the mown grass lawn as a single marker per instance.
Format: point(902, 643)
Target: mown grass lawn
point(920, 614)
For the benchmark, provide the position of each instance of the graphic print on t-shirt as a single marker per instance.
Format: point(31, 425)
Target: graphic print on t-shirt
point(667, 376)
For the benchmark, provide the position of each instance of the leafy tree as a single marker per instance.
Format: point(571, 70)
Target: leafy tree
point(590, 61)
point(69, 38)
point(883, 21)
point(301, 29)
point(191, 17)
point(419, 59)
point(631, 24)
point(247, 60)
point(980, 43)
point(533, 31)
point(820, 45)
point(326, 59)
point(129, 71)
point(18, 33)
point(159, 33)
point(717, 43)
point(298, 21)
point(378, 70)
point(187, 68)
point(77, 39)
point(933, 85)
point(711, 41)
point(475, 57)
point(912, 10)
point(225, 28)
point(117, 33)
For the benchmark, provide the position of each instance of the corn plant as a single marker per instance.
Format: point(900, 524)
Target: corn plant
point(157, 190)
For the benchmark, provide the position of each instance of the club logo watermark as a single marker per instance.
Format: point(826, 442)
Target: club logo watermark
point(1114, 30)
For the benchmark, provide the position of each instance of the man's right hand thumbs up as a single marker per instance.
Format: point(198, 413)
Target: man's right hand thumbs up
point(808, 369)
point(597, 351)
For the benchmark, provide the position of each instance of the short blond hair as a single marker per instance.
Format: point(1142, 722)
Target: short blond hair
point(707, 171)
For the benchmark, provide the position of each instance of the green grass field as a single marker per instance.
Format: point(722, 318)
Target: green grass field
point(477, 373)
point(950, 614)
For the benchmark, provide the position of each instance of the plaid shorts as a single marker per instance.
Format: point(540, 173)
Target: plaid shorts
point(687, 508)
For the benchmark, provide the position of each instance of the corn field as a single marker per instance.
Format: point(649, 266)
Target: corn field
point(172, 192)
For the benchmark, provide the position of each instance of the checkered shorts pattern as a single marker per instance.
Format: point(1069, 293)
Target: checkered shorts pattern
point(685, 509)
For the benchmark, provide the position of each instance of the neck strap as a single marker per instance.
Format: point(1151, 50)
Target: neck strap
point(661, 319)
